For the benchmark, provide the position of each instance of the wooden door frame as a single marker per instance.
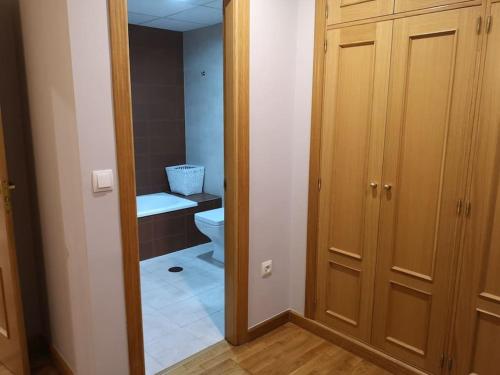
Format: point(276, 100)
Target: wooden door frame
point(236, 123)
point(315, 157)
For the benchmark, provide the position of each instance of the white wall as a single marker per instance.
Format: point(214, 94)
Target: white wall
point(281, 51)
point(52, 112)
point(69, 89)
point(300, 151)
point(88, 25)
point(204, 106)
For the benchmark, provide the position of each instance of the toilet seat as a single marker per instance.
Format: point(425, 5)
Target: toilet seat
point(212, 217)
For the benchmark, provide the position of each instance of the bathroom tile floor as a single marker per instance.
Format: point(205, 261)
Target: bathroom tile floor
point(183, 312)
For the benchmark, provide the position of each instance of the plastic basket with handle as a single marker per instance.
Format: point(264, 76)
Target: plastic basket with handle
point(186, 179)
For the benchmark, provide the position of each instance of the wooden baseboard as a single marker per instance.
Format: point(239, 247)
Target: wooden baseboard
point(354, 346)
point(268, 325)
point(59, 362)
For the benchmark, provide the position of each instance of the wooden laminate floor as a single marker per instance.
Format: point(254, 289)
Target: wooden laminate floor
point(44, 369)
point(4, 370)
point(287, 350)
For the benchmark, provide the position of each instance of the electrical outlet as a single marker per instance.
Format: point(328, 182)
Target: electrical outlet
point(266, 268)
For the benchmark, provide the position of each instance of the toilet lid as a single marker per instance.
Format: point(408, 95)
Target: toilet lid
point(211, 217)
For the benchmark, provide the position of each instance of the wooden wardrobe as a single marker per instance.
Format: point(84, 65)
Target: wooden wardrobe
point(406, 246)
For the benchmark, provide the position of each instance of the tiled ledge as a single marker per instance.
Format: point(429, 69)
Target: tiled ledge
point(172, 231)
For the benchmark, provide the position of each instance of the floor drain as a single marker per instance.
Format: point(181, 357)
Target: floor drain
point(175, 269)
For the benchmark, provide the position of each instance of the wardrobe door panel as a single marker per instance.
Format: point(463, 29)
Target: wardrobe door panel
point(351, 10)
point(477, 330)
point(428, 132)
point(355, 98)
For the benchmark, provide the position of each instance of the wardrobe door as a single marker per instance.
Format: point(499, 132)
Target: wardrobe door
point(477, 333)
point(351, 10)
point(354, 115)
point(428, 130)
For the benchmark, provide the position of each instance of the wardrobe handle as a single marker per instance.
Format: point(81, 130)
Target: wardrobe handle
point(387, 187)
point(373, 185)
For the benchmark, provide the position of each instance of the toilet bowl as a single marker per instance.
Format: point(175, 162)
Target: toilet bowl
point(211, 224)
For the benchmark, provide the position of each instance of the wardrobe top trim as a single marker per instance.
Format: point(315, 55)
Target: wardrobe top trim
point(390, 17)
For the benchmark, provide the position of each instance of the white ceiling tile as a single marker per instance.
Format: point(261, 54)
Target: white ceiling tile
point(174, 25)
point(159, 8)
point(137, 18)
point(198, 2)
point(201, 15)
point(214, 4)
point(177, 15)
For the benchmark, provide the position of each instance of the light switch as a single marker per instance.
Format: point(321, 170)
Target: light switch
point(102, 180)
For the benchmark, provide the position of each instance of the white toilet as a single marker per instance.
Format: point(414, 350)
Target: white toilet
point(211, 224)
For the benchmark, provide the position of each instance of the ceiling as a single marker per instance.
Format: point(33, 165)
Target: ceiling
point(176, 15)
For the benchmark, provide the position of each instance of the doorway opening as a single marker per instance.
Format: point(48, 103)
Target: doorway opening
point(180, 85)
point(176, 67)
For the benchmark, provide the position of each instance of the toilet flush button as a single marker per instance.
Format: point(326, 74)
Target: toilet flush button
point(102, 180)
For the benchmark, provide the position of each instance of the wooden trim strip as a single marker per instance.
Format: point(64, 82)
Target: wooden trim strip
point(417, 275)
point(118, 29)
point(59, 362)
point(357, 347)
point(405, 346)
point(395, 16)
point(236, 149)
point(490, 297)
point(333, 314)
point(345, 253)
point(314, 161)
point(488, 313)
point(269, 325)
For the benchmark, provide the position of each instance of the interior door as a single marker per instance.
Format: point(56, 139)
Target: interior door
point(477, 330)
point(351, 10)
point(428, 131)
point(13, 352)
point(354, 115)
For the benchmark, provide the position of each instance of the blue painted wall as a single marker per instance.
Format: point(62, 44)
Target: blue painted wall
point(203, 98)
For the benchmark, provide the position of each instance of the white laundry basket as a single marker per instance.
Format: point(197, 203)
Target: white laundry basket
point(186, 179)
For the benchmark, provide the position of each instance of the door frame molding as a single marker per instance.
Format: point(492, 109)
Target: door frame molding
point(315, 157)
point(236, 140)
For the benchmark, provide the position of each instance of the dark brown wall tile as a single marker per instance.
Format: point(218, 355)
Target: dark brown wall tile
point(145, 231)
point(210, 205)
point(166, 226)
point(140, 128)
point(164, 245)
point(156, 66)
point(146, 250)
point(141, 145)
point(165, 233)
